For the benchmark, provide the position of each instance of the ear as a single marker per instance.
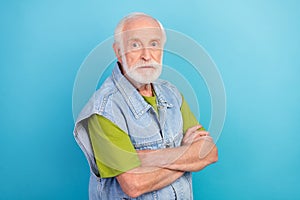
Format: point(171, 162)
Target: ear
point(117, 51)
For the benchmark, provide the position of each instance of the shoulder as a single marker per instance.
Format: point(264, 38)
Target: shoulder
point(99, 100)
point(104, 94)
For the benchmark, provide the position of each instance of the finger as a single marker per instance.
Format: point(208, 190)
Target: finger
point(200, 132)
point(204, 137)
point(195, 136)
point(189, 138)
point(193, 128)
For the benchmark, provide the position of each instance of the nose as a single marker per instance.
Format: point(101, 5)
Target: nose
point(146, 56)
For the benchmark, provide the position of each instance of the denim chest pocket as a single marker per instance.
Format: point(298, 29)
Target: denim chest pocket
point(145, 132)
point(149, 132)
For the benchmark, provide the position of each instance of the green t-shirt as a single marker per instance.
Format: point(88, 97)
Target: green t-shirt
point(113, 150)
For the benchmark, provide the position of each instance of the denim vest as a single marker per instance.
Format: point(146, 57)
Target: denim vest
point(120, 102)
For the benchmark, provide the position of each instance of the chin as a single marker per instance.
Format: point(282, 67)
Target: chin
point(146, 77)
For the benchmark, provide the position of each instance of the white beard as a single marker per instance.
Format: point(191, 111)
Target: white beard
point(141, 75)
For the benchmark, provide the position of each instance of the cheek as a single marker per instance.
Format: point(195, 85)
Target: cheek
point(157, 56)
point(132, 58)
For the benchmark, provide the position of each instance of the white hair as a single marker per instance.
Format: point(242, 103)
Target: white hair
point(119, 28)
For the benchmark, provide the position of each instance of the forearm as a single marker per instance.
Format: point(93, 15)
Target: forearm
point(146, 179)
point(193, 157)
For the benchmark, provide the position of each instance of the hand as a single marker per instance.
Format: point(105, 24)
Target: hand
point(193, 134)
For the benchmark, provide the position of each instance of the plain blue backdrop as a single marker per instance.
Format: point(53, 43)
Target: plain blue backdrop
point(255, 45)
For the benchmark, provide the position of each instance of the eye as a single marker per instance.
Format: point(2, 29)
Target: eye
point(154, 44)
point(135, 45)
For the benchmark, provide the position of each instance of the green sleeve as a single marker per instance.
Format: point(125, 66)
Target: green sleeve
point(113, 150)
point(188, 117)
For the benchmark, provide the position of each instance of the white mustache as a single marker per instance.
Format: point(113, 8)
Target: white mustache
point(147, 64)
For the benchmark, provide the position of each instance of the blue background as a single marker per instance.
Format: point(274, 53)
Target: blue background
point(255, 45)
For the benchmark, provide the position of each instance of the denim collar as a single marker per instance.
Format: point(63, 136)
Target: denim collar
point(133, 98)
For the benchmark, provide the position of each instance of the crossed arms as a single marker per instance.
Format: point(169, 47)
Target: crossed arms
point(160, 168)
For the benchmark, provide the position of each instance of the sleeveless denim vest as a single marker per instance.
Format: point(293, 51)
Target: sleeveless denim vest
point(120, 102)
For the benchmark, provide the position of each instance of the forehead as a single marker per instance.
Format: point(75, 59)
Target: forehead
point(142, 28)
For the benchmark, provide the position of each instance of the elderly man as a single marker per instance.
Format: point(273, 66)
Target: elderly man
point(138, 133)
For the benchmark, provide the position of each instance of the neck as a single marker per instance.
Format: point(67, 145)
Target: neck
point(145, 90)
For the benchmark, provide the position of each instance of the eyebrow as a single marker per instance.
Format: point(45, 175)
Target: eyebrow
point(133, 39)
point(138, 39)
